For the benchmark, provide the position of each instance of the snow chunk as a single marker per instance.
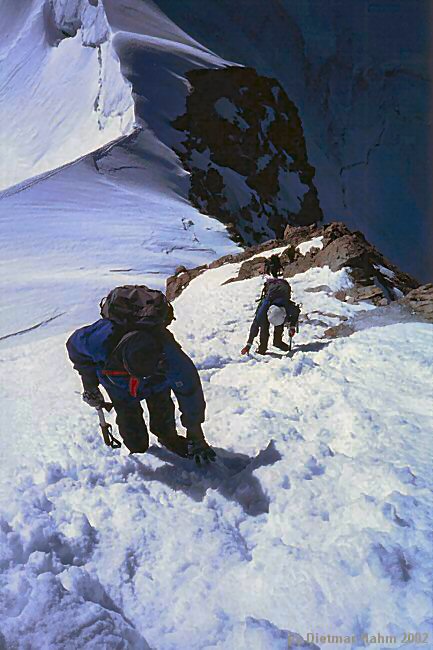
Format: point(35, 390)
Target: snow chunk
point(292, 190)
point(73, 15)
point(387, 272)
point(52, 617)
point(229, 111)
point(272, 251)
point(268, 119)
point(263, 162)
point(306, 246)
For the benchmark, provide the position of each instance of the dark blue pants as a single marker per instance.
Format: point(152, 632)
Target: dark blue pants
point(132, 426)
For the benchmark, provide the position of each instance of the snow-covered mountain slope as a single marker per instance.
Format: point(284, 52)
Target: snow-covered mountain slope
point(76, 75)
point(62, 93)
point(119, 214)
point(320, 521)
point(359, 74)
point(320, 524)
point(68, 239)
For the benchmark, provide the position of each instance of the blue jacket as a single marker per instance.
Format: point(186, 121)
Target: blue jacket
point(89, 348)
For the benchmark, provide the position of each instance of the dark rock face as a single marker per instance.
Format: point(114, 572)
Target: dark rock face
point(245, 150)
point(375, 278)
point(360, 74)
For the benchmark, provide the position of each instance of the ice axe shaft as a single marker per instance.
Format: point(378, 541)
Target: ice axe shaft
point(106, 429)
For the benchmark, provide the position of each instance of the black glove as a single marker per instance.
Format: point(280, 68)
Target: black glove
point(94, 398)
point(201, 452)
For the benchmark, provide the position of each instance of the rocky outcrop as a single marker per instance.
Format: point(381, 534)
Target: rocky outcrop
point(181, 279)
point(363, 102)
point(245, 150)
point(375, 279)
point(420, 301)
point(339, 331)
point(182, 276)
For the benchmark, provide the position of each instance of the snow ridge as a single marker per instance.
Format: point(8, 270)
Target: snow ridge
point(62, 93)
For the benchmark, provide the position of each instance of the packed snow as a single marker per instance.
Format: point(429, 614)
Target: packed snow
point(229, 111)
point(318, 521)
point(306, 246)
point(385, 271)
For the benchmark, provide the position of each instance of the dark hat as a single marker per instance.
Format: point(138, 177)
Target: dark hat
point(142, 354)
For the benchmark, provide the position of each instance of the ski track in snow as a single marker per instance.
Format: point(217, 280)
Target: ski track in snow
point(323, 527)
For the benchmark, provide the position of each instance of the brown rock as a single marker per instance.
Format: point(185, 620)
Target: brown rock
point(343, 329)
point(251, 268)
point(177, 283)
point(334, 230)
point(297, 234)
point(348, 250)
point(420, 301)
point(342, 249)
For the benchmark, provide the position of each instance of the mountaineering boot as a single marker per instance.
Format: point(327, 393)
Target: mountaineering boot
point(177, 444)
point(261, 349)
point(136, 445)
point(201, 452)
point(278, 339)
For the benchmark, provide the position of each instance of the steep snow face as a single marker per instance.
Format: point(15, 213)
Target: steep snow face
point(120, 214)
point(359, 74)
point(318, 523)
point(62, 93)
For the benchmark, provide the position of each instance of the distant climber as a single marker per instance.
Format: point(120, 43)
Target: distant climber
point(275, 308)
point(131, 353)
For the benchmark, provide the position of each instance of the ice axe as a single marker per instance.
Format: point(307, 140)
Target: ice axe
point(292, 332)
point(106, 427)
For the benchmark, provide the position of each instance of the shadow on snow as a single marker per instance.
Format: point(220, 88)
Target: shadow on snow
point(232, 476)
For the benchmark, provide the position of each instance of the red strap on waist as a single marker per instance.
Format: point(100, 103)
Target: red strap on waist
point(133, 386)
point(134, 382)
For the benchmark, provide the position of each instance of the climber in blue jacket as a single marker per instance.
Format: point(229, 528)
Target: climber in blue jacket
point(142, 365)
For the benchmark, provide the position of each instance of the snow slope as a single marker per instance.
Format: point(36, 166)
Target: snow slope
point(321, 524)
point(60, 97)
point(76, 229)
point(78, 74)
